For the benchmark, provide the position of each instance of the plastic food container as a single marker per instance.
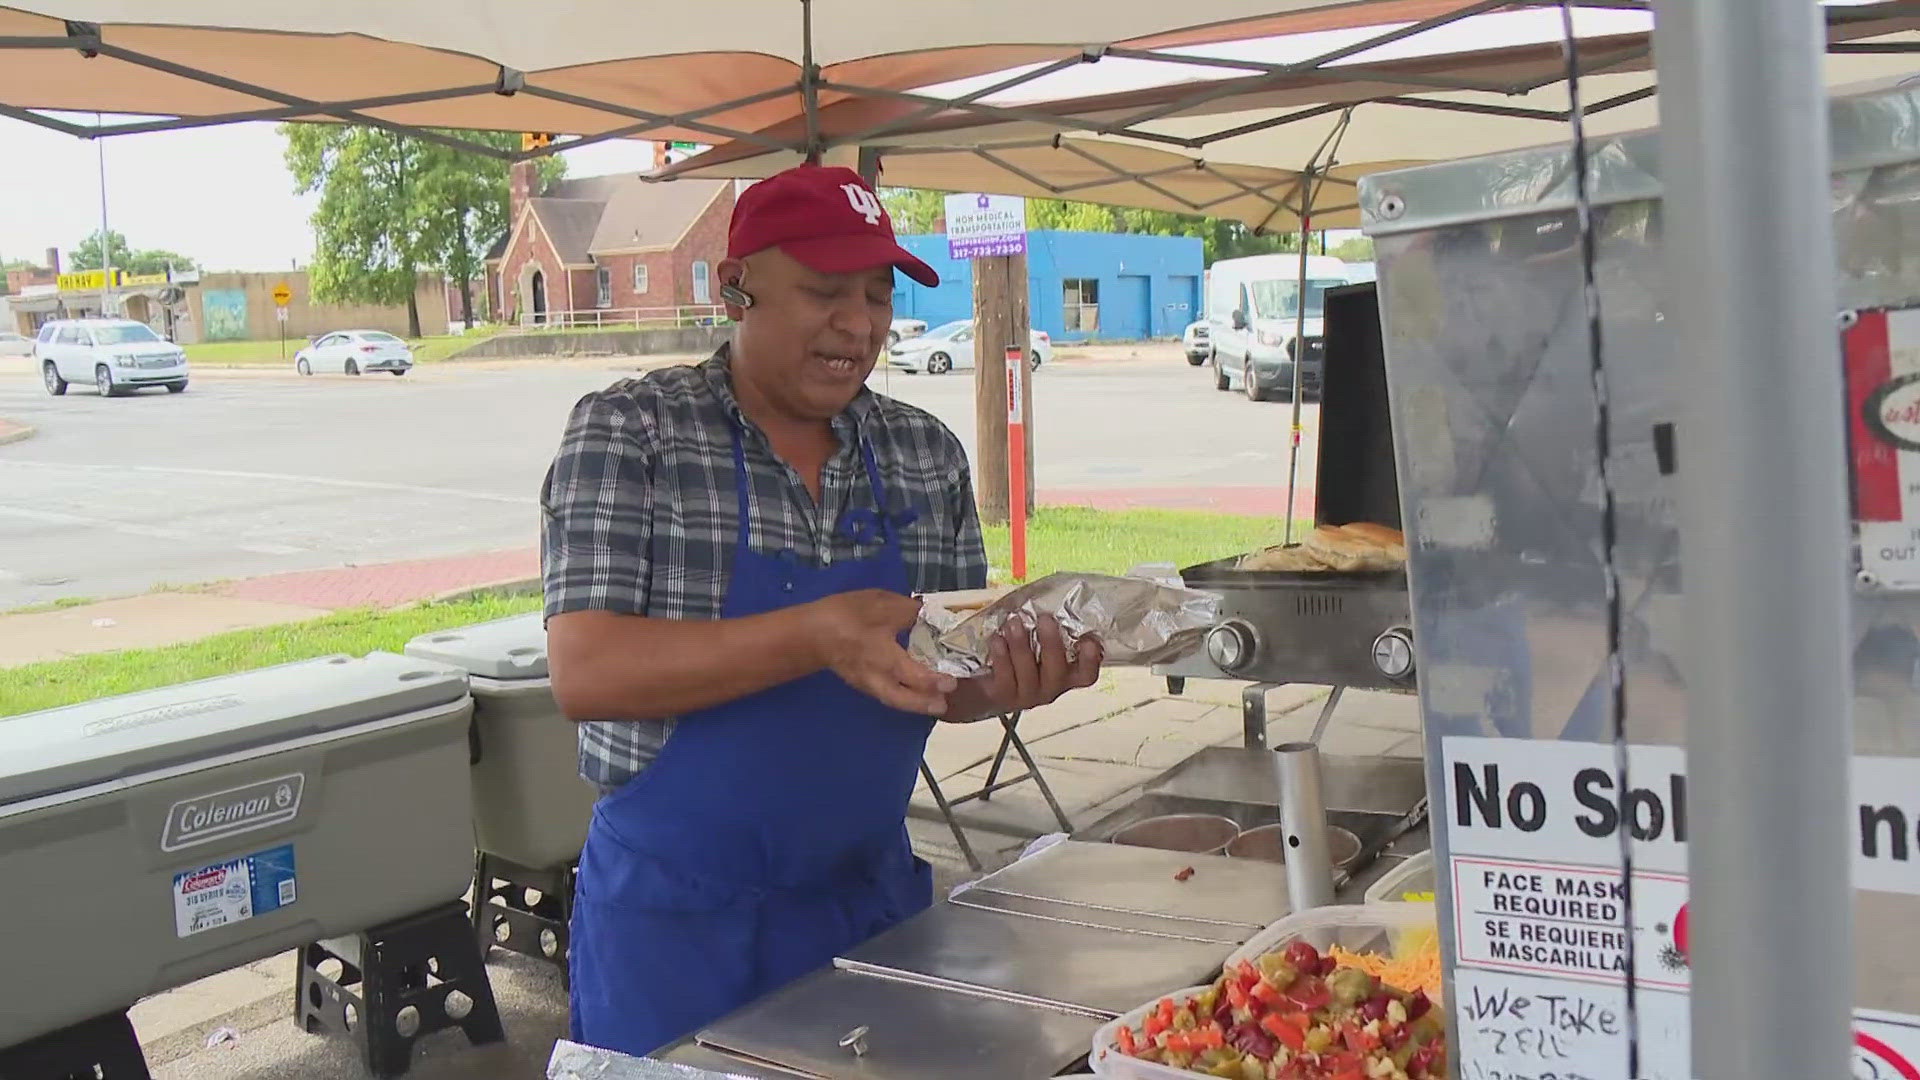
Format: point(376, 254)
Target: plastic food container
point(1356, 927)
point(1200, 834)
point(1265, 843)
point(1413, 881)
point(1108, 1061)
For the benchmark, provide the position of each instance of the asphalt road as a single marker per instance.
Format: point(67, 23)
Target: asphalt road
point(253, 472)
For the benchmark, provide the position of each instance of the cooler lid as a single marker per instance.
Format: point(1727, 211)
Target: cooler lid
point(61, 749)
point(510, 648)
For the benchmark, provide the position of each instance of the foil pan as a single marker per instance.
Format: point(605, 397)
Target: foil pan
point(1137, 621)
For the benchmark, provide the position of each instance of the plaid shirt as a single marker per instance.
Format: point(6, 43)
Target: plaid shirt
point(640, 515)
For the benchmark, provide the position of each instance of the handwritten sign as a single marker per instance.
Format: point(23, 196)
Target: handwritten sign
point(1515, 1027)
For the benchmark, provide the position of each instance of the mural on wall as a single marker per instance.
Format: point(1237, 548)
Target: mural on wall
point(226, 314)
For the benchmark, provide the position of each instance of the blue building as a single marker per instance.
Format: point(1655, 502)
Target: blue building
point(1081, 286)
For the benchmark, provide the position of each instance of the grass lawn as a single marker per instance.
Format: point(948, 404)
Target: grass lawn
point(82, 678)
point(217, 354)
point(1059, 538)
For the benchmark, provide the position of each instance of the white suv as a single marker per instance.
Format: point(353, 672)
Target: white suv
point(115, 355)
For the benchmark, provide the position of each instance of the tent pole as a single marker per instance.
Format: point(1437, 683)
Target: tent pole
point(1750, 277)
point(809, 83)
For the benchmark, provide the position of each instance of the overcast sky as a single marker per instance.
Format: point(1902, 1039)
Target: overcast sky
point(223, 195)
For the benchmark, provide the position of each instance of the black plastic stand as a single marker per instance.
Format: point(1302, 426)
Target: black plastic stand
point(503, 917)
point(103, 1048)
point(398, 983)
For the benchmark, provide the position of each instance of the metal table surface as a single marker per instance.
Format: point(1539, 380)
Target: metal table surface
point(914, 1032)
point(1116, 878)
point(1093, 970)
point(1079, 914)
point(1232, 774)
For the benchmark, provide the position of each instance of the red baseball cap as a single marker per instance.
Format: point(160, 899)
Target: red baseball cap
point(827, 217)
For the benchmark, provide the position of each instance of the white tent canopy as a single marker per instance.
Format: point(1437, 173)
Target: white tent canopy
point(593, 68)
point(1360, 118)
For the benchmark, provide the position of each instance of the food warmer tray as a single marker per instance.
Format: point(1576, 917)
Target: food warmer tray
point(1095, 971)
point(913, 1031)
point(1082, 915)
point(1241, 893)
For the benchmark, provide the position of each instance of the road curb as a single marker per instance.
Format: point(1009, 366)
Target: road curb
point(13, 432)
point(515, 586)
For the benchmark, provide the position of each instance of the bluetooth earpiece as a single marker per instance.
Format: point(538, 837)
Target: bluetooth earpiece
point(732, 293)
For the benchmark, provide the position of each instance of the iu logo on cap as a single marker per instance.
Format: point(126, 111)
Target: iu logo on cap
point(864, 202)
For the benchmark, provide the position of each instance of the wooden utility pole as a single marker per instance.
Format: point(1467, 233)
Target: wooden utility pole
point(1000, 320)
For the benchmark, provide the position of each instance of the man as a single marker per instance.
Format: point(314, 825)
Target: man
point(731, 552)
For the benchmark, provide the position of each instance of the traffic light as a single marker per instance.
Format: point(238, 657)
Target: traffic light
point(535, 140)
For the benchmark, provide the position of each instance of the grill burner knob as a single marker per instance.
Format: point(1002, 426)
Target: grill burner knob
point(1393, 653)
point(1230, 645)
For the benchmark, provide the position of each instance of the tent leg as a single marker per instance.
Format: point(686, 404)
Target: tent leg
point(1750, 257)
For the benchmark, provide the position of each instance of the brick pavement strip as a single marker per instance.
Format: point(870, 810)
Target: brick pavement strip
point(388, 584)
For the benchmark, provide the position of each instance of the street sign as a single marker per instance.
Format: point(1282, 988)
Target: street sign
point(282, 312)
point(282, 296)
point(980, 226)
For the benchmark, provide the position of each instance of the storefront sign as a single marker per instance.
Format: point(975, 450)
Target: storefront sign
point(980, 226)
point(84, 280)
point(144, 279)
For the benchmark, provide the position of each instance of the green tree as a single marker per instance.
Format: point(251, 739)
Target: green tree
point(86, 256)
point(1357, 249)
point(393, 206)
point(913, 210)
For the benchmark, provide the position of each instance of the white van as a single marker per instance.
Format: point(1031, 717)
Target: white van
point(1252, 317)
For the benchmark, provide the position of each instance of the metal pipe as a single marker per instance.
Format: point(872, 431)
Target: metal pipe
point(1750, 250)
point(1303, 825)
point(106, 249)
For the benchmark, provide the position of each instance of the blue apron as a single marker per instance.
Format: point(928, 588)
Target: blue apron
point(767, 837)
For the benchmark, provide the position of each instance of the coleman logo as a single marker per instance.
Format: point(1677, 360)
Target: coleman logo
point(208, 818)
point(864, 202)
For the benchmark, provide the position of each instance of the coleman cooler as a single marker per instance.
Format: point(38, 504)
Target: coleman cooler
point(530, 805)
point(152, 839)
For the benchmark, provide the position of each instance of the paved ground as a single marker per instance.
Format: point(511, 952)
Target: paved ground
point(253, 472)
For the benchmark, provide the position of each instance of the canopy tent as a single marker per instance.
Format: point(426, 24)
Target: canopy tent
point(597, 69)
point(1341, 121)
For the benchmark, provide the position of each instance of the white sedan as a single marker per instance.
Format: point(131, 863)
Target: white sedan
point(950, 346)
point(355, 351)
point(12, 344)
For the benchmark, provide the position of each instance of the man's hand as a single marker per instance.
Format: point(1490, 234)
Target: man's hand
point(1019, 679)
point(858, 637)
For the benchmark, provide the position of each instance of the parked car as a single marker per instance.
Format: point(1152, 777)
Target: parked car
point(15, 344)
point(903, 329)
point(117, 356)
point(950, 346)
point(1198, 342)
point(354, 351)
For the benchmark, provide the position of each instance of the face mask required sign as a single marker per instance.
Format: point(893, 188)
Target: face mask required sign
point(1533, 829)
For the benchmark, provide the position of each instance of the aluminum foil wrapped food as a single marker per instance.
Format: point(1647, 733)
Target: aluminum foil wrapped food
point(1137, 621)
point(572, 1061)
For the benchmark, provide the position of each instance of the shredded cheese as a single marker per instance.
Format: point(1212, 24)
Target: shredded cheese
point(1415, 968)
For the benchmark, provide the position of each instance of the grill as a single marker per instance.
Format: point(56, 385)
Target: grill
point(1329, 629)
